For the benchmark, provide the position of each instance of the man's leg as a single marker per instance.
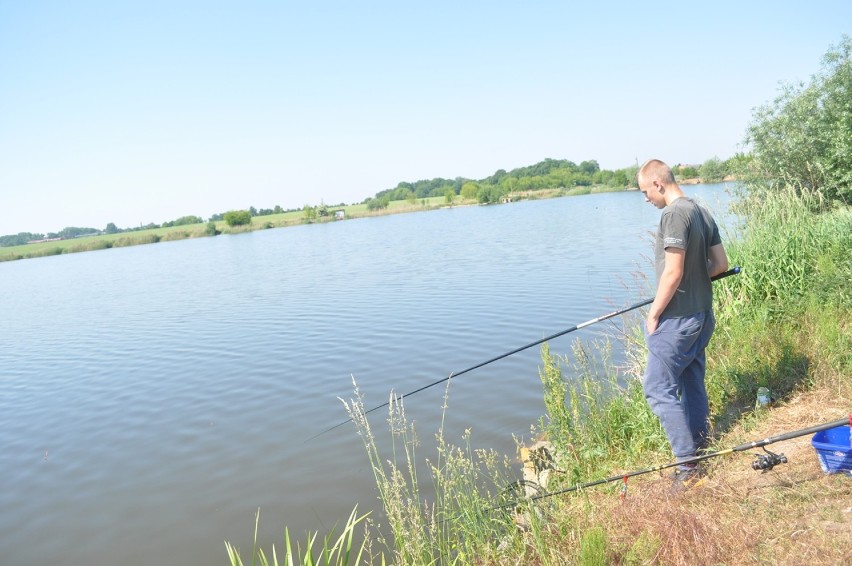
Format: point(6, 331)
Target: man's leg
point(693, 392)
point(670, 350)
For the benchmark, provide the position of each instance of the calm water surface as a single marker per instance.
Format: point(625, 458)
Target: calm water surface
point(153, 398)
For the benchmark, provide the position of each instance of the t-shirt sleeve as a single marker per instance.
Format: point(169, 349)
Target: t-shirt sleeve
point(716, 238)
point(674, 230)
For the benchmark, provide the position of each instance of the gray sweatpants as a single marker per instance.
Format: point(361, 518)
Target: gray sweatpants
point(674, 380)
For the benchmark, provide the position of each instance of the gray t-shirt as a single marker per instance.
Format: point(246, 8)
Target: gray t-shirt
point(689, 226)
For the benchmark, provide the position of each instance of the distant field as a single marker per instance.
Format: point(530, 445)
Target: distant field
point(106, 241)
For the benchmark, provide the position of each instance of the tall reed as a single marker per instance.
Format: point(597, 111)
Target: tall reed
point(461, 522)
point(796, 250)
point(338, 551)
point(597, 419)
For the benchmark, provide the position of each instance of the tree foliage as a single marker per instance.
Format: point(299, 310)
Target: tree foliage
point(469, 190)
point(379, 203)
point(489, 194)
point(804, 137)
point(712, 171)
point(19, 239)
point(183, 221)
point(237, 217)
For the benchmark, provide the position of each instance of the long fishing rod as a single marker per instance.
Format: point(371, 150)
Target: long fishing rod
point(733, 271)
point(763, 462)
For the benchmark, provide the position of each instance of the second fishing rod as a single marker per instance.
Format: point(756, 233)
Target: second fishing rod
point(734, 271)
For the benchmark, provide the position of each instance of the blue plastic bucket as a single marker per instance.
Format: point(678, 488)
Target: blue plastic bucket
point(834, 450)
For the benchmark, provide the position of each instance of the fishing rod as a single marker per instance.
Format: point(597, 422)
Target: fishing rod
point(733, 271)
point(763, 462)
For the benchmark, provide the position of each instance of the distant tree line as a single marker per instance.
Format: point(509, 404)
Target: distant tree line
point(546, 174)
point(66, 233)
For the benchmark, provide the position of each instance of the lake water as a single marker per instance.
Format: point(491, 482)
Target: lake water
point(152, 398)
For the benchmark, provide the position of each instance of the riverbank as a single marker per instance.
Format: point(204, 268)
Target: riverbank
point(793, 514)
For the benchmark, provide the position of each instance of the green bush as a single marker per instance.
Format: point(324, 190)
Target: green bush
point(802, 139)
point(237, 218)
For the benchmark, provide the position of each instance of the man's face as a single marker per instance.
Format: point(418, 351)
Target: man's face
point(651, 190)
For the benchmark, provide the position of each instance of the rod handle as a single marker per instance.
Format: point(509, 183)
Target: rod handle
point(735, 271)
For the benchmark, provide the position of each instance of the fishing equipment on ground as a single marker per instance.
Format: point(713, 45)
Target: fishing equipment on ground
point(762, 463)
point(735, 271)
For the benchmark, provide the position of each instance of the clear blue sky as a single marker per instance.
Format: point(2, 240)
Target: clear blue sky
point(135, 112)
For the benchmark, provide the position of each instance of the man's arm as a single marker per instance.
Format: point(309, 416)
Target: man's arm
point(669, 282)
point(718, 260)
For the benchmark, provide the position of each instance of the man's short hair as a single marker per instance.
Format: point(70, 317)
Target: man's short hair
point(656, 169)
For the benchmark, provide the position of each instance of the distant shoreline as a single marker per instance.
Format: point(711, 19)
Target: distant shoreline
point(282, 220)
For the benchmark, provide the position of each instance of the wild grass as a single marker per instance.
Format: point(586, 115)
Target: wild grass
point(598, 419)
point(784, 323)
point(460, 522)
point(797, 258)
point(338, 551)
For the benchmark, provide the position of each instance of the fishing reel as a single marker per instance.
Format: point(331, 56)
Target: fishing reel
point(765, 462)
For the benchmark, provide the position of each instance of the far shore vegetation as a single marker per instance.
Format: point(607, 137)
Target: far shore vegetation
point(784, 323)
point(550, 178)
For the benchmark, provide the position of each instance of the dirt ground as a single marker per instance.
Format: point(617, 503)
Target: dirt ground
point(792, 514)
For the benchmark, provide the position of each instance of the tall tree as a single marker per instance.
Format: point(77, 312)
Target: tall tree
point(712, 171)
point(804, 137)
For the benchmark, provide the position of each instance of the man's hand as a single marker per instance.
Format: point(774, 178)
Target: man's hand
point(651, 324)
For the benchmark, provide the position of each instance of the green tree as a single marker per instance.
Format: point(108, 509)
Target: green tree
point(488, 194)
point(378, 203)
point(687, 172)
point(237, 217)
point(449, 195)
point(712, 171)
point(111, 228)
point(309, 212)
point(804, 137)
point(184, 220)
point(19, 239)
point(620, 178)
point(590, 167)
point(469, 190)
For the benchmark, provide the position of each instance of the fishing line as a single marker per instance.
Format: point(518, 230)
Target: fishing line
point(612, 314)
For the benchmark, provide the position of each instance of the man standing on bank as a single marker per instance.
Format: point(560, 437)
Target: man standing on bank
point(688, 252)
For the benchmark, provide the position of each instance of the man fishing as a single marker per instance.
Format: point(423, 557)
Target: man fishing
point(688, 252)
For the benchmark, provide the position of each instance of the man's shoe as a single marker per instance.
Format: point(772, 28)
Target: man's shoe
point(686, 477)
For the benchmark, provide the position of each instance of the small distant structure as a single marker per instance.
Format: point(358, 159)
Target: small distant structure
point(339, 214)
point(44, 240)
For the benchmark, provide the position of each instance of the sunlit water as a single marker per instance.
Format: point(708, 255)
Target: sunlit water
point(153, 398)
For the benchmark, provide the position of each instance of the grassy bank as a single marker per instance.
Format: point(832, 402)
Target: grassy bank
point(283, 220)
point(784, 323)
